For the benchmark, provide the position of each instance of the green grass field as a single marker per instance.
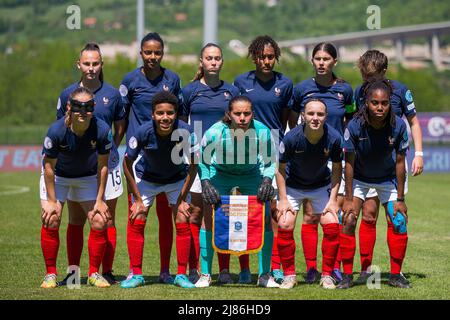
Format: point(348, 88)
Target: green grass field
point(22, 265)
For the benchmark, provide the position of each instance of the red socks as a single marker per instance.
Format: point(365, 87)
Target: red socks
point(135, 243)
point(286, 248)
point(164, 213)
point(367, 238)
point(276, 262)
point(50, 246)
point(74, 240)
point(397, 243)
point(244, 262)
point(96, 246)
point(310, 237)
point(337, 264)
point(224, 261)
point(330, 246)
point(110, 250)
point(183, 243)
point(348, 248)
point(195, 246)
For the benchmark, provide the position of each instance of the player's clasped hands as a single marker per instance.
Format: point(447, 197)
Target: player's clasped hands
point(184, 208)
point(49, 209)
point(347, 210)
point(100, 208)
point(283, 209)
point(137, 209)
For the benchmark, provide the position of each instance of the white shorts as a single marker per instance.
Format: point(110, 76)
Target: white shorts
point(114, 185)
point(319, 198)
point(341, 190)
point(150, 190)
point(74, 189)
point(387, 191)
point(373, 193)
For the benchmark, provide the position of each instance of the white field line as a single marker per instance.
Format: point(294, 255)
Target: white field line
point(13, 190)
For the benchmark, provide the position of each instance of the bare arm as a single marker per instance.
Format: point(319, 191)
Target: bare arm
point(293, 119)
point(416, 132)
point(119, 131)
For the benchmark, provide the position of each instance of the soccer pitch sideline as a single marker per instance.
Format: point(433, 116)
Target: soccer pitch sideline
point(22, 265)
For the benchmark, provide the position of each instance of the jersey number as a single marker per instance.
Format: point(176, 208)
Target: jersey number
point(116, 178)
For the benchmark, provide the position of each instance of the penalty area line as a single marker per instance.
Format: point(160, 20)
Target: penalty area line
point(10, 190)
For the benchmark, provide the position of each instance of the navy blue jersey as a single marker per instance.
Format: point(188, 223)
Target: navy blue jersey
point(375, 150)
point(77, 156)
point(108, 107)
point(157, 164)
point(338, 98)
point(402, 101)
point(269, 98)
point(204, 104)
point(137, 92)
point(307, 163)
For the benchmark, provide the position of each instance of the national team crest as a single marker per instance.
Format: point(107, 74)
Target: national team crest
point(93, 144)
point(165, 88)
point(238, 225)
point(391, 141)
point(340, 96)
point(326, 152)
point(226, 95)
point(105, 100)
point(277, 91)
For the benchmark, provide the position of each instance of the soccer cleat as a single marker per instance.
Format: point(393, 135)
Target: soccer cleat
point(182, 281)
point(363, 277)
point(346, 283)
point(49, 281)
point(312, 276)
point(337, 275)
point(245, 277)
point(399, 281)
point(97, 280)
point(109, 276)
point(327, 282)
point(289, 282)
point(267, 281)
point(165, 277)
point(204, 281)
point(224, 277)
point(130, 275)
point(278, 275)
point(194, 275)
point(136, 280)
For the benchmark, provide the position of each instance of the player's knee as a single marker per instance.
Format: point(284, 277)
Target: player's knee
point(286, 225)
point(369, 219)
point(350, 223)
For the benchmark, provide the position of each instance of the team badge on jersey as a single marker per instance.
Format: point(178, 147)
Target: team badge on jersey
point(105, 100)
point(93, 144)
point(340, 96)
point(326, 152)
point(123, 90)
point(277, 91)
point(165, 88)
point(48, 143)
point(391, 141)
point(226, 95)
point(132, 143)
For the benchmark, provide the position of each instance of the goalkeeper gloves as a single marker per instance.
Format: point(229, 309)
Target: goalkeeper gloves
point(209, 193)
point(266, 190)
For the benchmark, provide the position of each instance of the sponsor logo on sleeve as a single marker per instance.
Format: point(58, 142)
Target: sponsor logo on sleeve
point(48, 143)
point(132, 143)
point(346, 134)
point(123, 90)
point(408, 96)
point(411, 106)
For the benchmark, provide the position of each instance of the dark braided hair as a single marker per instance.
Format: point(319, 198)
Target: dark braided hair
point(256, 47)
point(368, 88)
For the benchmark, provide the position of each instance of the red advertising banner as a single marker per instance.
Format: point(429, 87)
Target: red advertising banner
point(20, 158)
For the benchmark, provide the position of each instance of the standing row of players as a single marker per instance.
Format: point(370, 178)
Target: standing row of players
point(76, 168)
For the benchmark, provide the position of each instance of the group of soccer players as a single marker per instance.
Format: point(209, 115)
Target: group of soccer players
point(344, 152)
